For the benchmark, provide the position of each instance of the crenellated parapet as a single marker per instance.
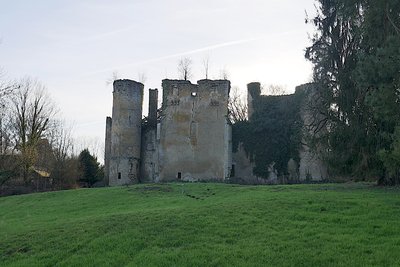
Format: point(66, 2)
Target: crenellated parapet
point(214, 91)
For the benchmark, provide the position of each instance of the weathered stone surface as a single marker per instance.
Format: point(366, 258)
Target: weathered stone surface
point(253, 90)
point(310, 167)
point(126, 132)
point(195, 137)
point(153, 100)
point(149, 170)
point(107, 151)
point(150, 162)
point(191, 139)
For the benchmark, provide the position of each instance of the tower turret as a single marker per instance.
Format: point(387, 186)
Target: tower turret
point(253, 92)
point(126, 132)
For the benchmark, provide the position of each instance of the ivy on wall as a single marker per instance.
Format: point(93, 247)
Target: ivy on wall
point(273, 134)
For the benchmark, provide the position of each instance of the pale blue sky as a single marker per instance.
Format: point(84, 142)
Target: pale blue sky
point(74, 46)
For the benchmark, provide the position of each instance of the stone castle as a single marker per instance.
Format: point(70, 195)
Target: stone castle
point(189, 138)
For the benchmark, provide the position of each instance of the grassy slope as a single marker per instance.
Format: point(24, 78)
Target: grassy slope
point(157, 225)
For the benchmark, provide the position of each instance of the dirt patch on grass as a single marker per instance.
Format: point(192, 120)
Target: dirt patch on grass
point(201, 195)
point(153, 188)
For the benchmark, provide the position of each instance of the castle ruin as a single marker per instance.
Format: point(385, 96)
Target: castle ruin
point(189, 138)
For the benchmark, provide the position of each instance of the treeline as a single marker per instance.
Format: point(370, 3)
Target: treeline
point(36, 147)
point(356, 55)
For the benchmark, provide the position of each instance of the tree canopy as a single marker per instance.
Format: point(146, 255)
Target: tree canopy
point(356, 55)
point(90, 171)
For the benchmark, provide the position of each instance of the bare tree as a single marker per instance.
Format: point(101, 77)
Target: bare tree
point(64, 170)
point(224, 73)
point(274, 89)
point(114, 76)
point(60, 139)
point(93, 144)
point(206, 65)
point(8, 166)
point(185, 68)
point(142, 77)
point(6, 132)
point(237, 106)
point(33, 110)
point(7, 88)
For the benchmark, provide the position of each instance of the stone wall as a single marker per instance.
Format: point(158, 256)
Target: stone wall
point(310, 166)
point(194, 131)
point(243, 170)
point(126, 132)
point(190, 138)
point(149, 157)
point(107, 151)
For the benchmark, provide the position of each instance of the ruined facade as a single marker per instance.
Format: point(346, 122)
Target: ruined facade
point(308, 166)
point(188, 138)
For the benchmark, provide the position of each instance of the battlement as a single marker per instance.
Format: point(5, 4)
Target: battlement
point(128, 87)
point(254, 89)
point(307, 87)
point(202, 86)
point(178, 87)
point(175, 90)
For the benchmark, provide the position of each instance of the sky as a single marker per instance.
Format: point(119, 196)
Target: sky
point(75, 46)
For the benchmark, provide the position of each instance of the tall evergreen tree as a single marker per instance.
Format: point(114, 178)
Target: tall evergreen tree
point(355, 53)
point(89, 168)
point(379, 72)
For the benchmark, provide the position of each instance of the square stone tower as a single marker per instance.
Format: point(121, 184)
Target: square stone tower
point(195, 136)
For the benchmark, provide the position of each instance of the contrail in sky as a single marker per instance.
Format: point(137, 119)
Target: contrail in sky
point(106, 34)
point(194, 51)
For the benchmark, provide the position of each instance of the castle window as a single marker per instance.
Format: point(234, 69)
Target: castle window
point(194, 94)
point(119, 176)
point(233, 170)
point(179, 175)
point(175, 91)
point(214, 103)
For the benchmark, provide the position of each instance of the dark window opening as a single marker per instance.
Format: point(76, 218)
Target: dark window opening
point(233, 170)
point(179, 175)
point(119, 176)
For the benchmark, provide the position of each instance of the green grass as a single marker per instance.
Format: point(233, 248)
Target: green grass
point(217, 225)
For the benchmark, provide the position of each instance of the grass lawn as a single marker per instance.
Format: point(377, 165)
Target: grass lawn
point(203, 225)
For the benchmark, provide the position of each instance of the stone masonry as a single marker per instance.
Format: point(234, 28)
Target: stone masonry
point(188, 139)
point(124, 157)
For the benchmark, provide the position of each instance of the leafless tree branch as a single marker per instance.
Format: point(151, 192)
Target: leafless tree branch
point(185, 68)
point(237, 107)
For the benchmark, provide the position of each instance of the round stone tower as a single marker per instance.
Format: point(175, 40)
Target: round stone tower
point(126, 132)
